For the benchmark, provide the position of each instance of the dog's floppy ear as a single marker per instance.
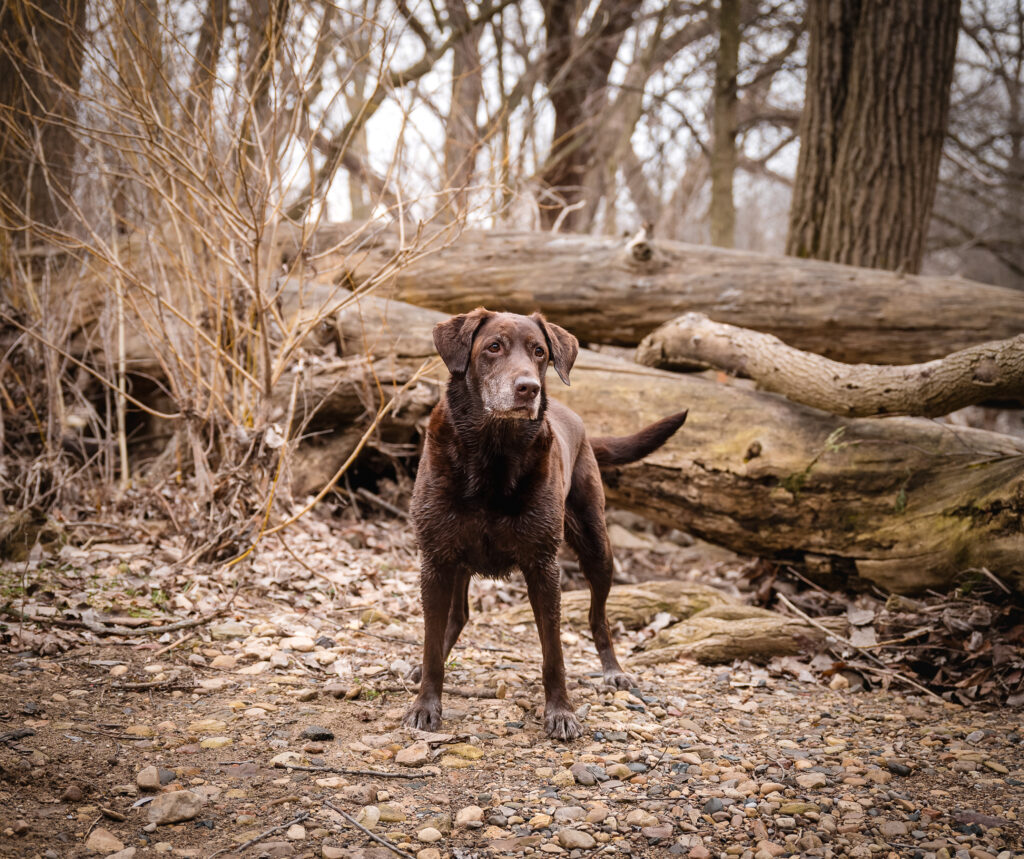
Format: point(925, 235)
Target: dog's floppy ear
point(454, 338)
point(563, 346)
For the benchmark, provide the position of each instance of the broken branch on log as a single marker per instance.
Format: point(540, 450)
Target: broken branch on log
point(991, 371)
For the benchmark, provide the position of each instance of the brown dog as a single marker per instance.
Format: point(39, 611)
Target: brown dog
point(504, 474)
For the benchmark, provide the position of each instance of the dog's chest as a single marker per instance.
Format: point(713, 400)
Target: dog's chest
point(492, 533)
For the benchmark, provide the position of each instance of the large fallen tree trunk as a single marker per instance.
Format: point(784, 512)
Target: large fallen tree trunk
point(904, 502)
point(990, 372)
point(617, 291)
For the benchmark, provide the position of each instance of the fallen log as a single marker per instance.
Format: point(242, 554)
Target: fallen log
point(903, 502)
point(617, 291)
point(990, 372)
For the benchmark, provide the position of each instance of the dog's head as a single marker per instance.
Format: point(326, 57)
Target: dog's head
point(503, 358)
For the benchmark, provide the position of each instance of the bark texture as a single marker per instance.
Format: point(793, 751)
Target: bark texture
point(874, 121)
point(610, 291)
point(723, 151)
point(992, 371)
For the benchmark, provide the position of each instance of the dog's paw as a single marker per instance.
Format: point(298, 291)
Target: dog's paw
point(423, 715)
point(562, 725)
point(620, 680)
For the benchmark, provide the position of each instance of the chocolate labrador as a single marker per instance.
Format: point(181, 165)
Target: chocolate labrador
point(505, 474)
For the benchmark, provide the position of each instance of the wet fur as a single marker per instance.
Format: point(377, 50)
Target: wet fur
point(495, 494)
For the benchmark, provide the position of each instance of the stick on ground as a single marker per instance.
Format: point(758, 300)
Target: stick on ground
point(365, 831)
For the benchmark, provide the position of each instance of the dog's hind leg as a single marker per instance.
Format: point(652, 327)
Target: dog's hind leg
point(587, 535)
point(436, 590)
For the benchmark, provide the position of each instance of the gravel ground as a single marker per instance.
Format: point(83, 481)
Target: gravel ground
point(280, 724)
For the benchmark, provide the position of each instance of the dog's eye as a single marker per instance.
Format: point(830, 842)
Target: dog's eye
point(494, 347)
point(539, 351)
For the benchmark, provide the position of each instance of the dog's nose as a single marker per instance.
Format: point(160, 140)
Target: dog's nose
point(526, 388)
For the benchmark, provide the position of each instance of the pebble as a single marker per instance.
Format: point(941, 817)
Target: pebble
point(72, 793)
point(469, 814)
point(298, 643)
point(810, 781)
point(575, 839)
point(582, 774)
point(315, 732)
point(415, 755)
point(429, 835)
point(296, 832)
point(104, 841)
point(428, 853)
point(174, 807)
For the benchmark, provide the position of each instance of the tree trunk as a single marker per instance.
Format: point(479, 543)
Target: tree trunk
point(873, 127)
point(576, 74)
point(903, 502)
point(723, 151)
point(461, 142)
point(608, 291)
point(41, 45)
point(991, 372)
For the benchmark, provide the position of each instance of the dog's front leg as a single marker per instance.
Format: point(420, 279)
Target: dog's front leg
point(543, 584)
point(436, 597)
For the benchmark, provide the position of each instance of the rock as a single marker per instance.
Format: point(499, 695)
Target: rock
point(297, 832)
point(771, 787)
point(540, 821)
point(429, 835)
point(127, 853)
point(640, 817)
point(573, 839)
point(315, 732)
point(563, 778)
point(712, 805)
point(72, 793)
point(893, 828)
point(224, 662)
point(298, 643)
point(391, 813)
point(699, 851)
point(207, 726)
point(415, 755)
point(215, 742)
point(469, 814)
point(286, 759)
point(229, 629)
point(329, 851)
point(810, 781)
point(465, 750)
point(657, 833)
point(428, 853)
point(583, 775)
point(175, 807)
point(897, 768)
point(103, 841)
point(568, 813)
point(149, 779)
point(369, 816)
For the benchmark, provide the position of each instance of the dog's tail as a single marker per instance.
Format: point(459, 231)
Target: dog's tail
point(620, 450)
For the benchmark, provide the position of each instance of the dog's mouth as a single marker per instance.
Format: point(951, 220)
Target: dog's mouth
point(516, 413)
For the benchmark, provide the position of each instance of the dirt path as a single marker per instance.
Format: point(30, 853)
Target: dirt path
point(701, 761)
